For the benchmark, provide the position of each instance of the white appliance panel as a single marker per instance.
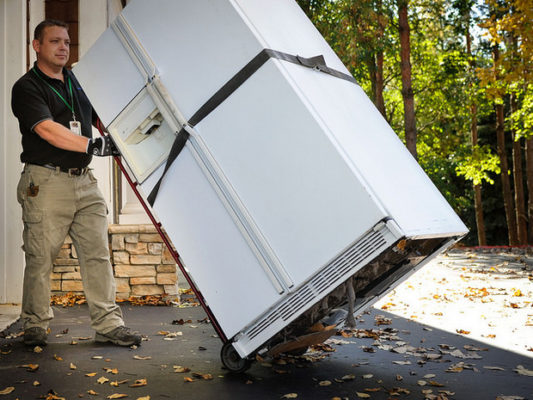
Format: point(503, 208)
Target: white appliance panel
point(109, 77)
point(376, 152)
point(220, 260)
point(281, 25)
point(303, 197)
point(195, 41)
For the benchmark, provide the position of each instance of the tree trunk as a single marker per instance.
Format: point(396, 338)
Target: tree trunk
point(407, 89)
point(518, 176)
point(380, 102)
point(529, 177)
point(506, 182)
point(478, 202)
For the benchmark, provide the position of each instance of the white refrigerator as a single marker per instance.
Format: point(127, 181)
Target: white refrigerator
point(290, 182)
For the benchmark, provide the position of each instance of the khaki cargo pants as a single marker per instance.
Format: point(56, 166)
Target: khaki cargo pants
point(55, 204)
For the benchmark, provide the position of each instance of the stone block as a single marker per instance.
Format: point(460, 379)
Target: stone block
point(143, 280)
point(167, 268)
point(133, 271)
point(71, 286)
point(71, 276)
point(131, 238)
point(55, 285)
point(68, 240)
point(64, 253)
point(167, 279)
point(114, 229)
point(155, 248)
point(65, 246)
point(144, 259)
point(121, 257)
point(66, 261)
point(167, 257)
point(123, 285)
point(122, 295)
point(150, 237)
point(117, 242)
point(137, 248)
point(146, 290)
point(171, 289)
point(147, 228)
point(55, 276)
point(60, 269)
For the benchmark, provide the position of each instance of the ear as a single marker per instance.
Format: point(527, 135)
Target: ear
point(36, 45)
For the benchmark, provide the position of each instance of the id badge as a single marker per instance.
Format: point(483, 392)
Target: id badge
point(75, 127)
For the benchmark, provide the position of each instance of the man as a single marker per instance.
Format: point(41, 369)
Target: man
point(57, 191)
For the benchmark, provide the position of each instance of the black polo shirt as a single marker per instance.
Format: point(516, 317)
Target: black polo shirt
point(34, 101)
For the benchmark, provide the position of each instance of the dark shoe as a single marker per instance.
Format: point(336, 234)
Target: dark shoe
point(35, 336)
point(121, 336)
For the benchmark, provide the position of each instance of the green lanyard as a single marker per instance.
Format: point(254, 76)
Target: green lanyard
point(71, 108)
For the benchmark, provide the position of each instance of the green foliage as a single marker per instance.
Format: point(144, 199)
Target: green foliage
point(478, 165)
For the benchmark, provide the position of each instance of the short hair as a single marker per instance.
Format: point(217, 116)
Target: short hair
point(39, 29)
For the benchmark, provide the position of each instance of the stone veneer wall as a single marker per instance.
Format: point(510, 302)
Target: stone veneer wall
point(141, 262)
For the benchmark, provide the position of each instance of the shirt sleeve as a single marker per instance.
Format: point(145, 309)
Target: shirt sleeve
point(29, 104)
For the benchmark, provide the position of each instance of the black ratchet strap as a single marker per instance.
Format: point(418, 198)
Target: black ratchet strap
point(318, 63)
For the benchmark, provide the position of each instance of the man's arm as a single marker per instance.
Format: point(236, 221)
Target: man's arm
point(61, 137)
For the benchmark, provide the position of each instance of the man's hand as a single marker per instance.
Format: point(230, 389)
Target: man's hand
point(102, 146)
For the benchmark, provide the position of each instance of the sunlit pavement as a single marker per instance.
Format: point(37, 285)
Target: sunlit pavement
point(388, 356)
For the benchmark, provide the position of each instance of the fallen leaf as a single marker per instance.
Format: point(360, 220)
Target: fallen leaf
point(92, 392)
point(324, 383)
point(399, 378)
point(462, 332)
point(402, 362)
point(494, 368)
point(205, 377)
point(57, 358)
point(91, 374)
point(37, 349)
point(143, 398)
point(188, 379)
point(509, 398)
point(31, 367)
point(139, 383)
point(348, 377)
point(72, 366)
point(421, 383)
point(522, 371)
point(362, 395)
point(7, 390)
point(117, 396)
point(102, 380)
point(368, 376)
point(36, 383)
point(290, 396)
point(429, 376)
point(436, 384)
point(97, 357)
point(142, 357)
point(180, 369)
point(372, 389)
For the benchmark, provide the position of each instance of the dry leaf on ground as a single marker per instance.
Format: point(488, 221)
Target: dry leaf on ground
point(7, 390)
point(290, 396)
point(142, 357)
point(139, 383)
point(117, 396)
point(522, 371)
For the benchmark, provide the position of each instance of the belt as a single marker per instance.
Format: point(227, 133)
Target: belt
point(70, 171)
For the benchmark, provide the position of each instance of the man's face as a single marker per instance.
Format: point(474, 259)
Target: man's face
point(54, 48)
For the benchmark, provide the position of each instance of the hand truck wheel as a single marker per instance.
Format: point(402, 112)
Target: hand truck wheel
point(232, 360)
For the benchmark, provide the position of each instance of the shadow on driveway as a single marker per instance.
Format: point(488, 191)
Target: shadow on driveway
point(350, 371)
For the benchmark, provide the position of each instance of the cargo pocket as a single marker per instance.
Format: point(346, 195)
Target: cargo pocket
point(33, 233)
